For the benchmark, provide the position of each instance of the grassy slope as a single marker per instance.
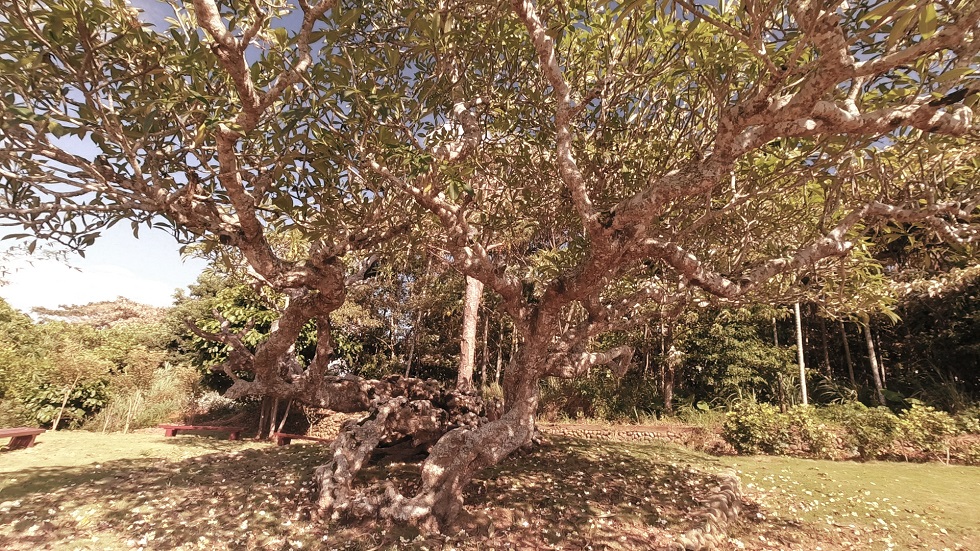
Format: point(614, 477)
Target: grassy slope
point(873, 505)
point(91, 491)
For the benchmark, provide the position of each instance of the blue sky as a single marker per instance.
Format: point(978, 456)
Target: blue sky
point(147, 270)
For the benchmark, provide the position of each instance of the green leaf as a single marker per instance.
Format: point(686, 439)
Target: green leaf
point(954, 74)
point(899, 29)
point(881, 10)
point(55, 128)
point(928, 20)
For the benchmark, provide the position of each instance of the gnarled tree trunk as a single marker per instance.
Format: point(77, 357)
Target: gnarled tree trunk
point(459, 432)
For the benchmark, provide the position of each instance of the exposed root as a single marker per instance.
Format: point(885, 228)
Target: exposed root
point(454, 432)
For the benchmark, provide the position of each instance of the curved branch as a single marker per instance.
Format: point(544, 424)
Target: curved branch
point(571, 175)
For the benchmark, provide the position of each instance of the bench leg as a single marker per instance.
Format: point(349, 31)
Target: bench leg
point(170, 432)
point(19, 442)
point(283, 441)
point(233, 435)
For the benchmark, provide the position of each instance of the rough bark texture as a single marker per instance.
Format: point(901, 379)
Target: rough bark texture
point(413, 417)
point(467, 345)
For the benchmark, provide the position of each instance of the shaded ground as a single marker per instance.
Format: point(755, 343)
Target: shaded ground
point(90, 491)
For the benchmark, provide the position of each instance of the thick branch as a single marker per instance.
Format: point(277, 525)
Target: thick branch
point(565, 112)
point(580, 364)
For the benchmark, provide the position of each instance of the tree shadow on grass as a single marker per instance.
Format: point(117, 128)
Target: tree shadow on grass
point(573, 494)
point(217, 442)
point(253, 498)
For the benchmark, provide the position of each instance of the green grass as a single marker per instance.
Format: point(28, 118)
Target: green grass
point(874, 505)
point(78, 490)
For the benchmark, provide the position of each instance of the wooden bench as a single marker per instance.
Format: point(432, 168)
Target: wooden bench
point(234, 433)
point(20, 437)
point(283, 438)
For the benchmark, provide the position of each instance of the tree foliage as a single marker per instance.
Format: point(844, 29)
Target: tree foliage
point(584, 161)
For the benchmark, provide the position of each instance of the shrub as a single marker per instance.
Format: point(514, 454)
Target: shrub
point(600, 396)
point(213, 403)
point(968, 420)
point(752, 427)
point(871, 430)
point(970, 455)
point(926, 429)
point(811, 436)
point(159, 396)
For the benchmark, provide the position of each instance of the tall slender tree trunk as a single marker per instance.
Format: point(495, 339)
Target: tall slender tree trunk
point(467, 344)
point(418, 319)
point(64, 404)
point(799, 352)
point(646, 349)
point(282, 421)
point(673, 360)
point(513, 351)
point(411, 347)
point(670, 362)
point(881, 358)
point(263, 415)
point(273, 417)
point(484, 360)
point(847, 355)
point(873, 361)
point(500, 354)
point(826, 349)
point(775, 333)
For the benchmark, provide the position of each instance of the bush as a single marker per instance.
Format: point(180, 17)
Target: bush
point(165, 394)
point(809, 435)
point(45, 403)
point(752, 427)
point(970, 454)
point(872, 431)
point(926, 429)
point(968, 420)
point(600, 396)
point(212, 403)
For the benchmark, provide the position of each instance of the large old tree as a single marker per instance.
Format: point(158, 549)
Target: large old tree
point(589, 163)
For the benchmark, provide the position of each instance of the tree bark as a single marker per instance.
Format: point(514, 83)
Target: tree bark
point(847, 355)
point(263, 416)
point(456, 428)
point(873, 361)
point(826, 349)
point(500, 354)
point(64, 403)
point(671, 363)
point(467, 345)
point(421, 414)
point(486, 349)
point(273, 417)
point(881, 358)
point(799, 353)
point(285, 415)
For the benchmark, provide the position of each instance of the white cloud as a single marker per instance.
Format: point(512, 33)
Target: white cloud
point(50, 284)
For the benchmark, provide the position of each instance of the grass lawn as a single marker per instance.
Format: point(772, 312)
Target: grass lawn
point(78, 490)
point(874, 505)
